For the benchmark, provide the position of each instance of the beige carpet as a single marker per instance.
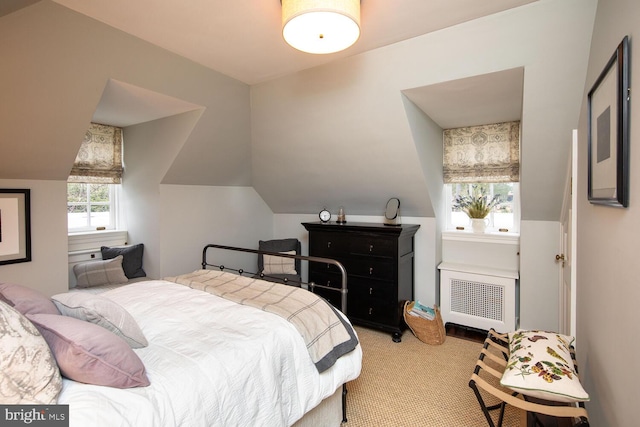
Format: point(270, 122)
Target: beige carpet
point(416, 384)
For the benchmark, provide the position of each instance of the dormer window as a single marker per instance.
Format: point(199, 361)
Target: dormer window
point(483, 160)
point(94, 181)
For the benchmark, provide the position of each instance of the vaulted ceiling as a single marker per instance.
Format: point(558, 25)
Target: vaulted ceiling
point(340, 120)
point(242, 38)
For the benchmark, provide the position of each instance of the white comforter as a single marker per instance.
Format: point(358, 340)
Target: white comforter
point(211, 362)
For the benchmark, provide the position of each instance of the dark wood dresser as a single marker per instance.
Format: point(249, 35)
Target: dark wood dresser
point(379, 261)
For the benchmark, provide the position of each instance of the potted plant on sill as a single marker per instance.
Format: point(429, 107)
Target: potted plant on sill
point(477, 207)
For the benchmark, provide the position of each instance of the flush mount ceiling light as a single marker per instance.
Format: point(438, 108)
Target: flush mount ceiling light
point(320, 26)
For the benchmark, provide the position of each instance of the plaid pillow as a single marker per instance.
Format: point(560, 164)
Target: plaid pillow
point(95, 273)
point(279, 265)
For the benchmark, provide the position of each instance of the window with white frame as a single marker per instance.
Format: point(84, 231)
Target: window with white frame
point(93, 185)
point(483, 160)
point(91, 206)
point(504, 217)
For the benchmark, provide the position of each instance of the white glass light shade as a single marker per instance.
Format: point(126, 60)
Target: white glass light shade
point(321, 26)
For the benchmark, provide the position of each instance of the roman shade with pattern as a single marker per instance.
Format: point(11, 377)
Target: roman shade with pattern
point(99, 160)
point(479, 154)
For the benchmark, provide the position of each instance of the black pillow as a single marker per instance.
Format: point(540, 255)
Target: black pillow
point(132, 259)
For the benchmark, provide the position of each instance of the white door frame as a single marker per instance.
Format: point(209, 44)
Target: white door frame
point(568, 244)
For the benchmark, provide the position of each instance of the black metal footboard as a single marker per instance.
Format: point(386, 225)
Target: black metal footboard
point(311, 285)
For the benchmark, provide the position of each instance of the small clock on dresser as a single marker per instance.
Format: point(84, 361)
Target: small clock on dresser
point(325, 215)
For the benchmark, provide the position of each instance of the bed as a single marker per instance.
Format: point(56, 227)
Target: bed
point(213, 359)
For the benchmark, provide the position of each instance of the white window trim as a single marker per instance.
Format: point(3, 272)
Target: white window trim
point(499, 237)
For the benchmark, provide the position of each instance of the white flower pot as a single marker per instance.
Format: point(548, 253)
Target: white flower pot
point(478, 225)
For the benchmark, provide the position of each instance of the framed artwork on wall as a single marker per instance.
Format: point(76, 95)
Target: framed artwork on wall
point(608, 133)
point(15, 226)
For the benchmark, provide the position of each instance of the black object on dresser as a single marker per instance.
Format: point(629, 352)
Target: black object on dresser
point(379, 260)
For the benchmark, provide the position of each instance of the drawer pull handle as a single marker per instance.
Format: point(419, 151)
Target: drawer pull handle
point(370, 311)
point(328, 244)
point(328, 282)
point(370, 291)
point(370, 248)
point(370, 271)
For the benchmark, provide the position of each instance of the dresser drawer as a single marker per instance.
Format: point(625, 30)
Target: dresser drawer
point(372, 246)
point(372, 310)
point(368, 289)
point(323, 268)
point(327, 278)
point(328, 245)
point(374, 268)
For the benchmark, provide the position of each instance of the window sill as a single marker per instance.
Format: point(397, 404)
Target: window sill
point(94, 231)
point(477, 269)
point(91, 240)
point(487, 237)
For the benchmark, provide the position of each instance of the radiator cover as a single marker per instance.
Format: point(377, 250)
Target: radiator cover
point(481, 301)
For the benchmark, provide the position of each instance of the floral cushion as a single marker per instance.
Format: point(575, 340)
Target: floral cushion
point(29, 373)
point(540, 365)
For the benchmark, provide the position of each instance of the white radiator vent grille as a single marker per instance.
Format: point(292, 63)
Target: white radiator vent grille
point(484, 300)
point(478, 300)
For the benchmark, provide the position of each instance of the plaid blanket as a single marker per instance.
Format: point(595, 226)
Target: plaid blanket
point(326, 333)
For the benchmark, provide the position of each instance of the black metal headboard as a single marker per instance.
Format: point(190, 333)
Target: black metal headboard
point(343, 272)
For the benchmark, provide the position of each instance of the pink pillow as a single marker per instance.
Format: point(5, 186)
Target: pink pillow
point(89, 353)
point(26, 300)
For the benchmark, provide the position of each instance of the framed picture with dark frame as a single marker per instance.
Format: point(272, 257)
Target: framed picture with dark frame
point(608, 133)
point(15, 226)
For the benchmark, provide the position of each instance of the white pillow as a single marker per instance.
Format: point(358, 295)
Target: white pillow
point(279, 265)
point(101, 311)
point(540, 365)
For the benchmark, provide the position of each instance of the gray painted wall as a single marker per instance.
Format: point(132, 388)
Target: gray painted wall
point(48, 271)
point(607, 281)
point(358, 140)
point(345, 124)
point(149, 151)
point(58, 65)
point(339, 133)
point(193, 216)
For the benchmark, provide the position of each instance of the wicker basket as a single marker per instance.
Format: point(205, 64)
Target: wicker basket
point(428, 331)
